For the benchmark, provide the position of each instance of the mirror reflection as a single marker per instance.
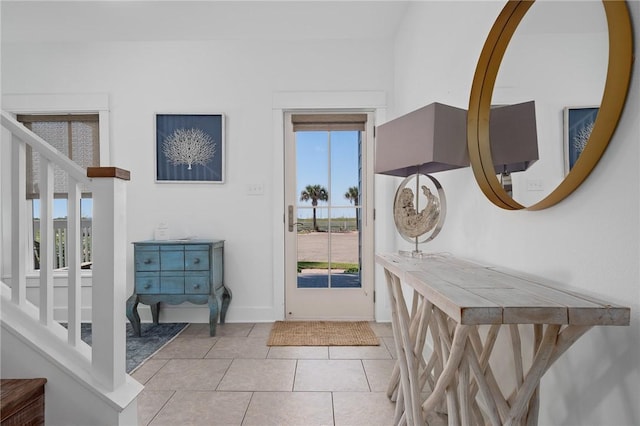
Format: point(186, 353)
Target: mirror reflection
point(558, 59)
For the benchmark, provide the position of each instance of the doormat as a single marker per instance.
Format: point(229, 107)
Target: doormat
point(322, 333)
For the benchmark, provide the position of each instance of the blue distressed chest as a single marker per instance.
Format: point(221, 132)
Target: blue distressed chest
point(178, 271)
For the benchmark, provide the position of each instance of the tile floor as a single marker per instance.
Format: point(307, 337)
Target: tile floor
point(236, 379)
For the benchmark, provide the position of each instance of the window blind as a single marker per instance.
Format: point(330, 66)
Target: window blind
point(74, 135)
point(328, 122)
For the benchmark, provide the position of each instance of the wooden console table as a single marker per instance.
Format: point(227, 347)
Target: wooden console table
point(452, 298)
point(178, 271)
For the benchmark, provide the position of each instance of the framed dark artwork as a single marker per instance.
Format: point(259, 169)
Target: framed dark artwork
point(190, 148)
point(578, 124)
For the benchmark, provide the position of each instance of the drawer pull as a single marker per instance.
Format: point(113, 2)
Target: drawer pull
point(196, 260)
point(147, 286)
point(196, 286)
point(147, 261)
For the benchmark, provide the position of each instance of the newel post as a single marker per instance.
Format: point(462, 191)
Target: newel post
point(109, 245)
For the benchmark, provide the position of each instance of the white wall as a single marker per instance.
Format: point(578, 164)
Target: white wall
point(590, 241)
point(236, 77)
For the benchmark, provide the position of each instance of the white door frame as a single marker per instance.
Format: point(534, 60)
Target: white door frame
point(347, 304)
point(374, 101)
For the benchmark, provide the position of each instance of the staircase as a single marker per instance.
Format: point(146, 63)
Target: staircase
point(85, 385)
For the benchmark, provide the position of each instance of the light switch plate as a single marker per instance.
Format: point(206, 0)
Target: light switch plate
point(255, 189)
point(535, 185)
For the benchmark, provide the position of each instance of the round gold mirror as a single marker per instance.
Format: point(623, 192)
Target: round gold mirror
point(611, 106)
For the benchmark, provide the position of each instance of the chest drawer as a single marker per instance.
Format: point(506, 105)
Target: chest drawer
point(147, 282)
point(171, 283)
point(147, 259)
point(196, 283)
point(196, 260)
point(172, 260)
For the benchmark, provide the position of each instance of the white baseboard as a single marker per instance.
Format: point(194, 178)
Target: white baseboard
point(200, 313)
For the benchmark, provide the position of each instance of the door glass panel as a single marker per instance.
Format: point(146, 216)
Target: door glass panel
point(313, 251)
point(345, 248)
point(328, 209)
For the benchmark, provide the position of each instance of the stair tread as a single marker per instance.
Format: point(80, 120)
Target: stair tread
point(18, 393)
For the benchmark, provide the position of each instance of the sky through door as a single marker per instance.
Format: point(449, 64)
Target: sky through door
point(328, 209)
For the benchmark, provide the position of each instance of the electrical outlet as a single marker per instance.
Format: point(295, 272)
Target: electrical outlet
point(255, 189)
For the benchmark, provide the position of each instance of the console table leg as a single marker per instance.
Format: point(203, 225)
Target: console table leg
point(226, 300)
point(132, 314)
point(155, 310)
point(407, 405)
point(213, 315)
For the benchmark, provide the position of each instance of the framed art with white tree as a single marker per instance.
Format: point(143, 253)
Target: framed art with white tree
point(578, 124)
point(190, 148)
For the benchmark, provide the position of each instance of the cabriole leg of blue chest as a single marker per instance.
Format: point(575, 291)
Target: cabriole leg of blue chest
point(155, 311)
point(226, 300)
point(132, 314)
point(213, 314)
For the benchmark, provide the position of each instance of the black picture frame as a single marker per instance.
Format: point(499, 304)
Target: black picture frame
point(190, 148)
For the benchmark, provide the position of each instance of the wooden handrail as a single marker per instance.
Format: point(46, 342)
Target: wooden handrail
point(106, 172)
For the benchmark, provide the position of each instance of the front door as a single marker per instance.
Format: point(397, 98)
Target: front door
point(329, 221)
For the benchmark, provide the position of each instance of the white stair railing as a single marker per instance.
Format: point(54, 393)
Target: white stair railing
point(108, 188)
point(60, 226)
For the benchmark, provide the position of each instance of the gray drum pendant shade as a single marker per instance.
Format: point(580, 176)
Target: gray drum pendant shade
point(513, 137)
point(434, 138)
point(428, 140)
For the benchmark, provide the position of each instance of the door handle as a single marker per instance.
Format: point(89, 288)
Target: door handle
point(290, 217)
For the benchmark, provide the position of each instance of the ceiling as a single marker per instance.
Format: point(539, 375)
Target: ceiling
point(148, 20)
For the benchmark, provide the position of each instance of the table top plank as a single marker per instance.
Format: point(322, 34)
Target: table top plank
point(436, 260)
point(458, 303)
point(471, 293)
point(583, 309)
point(396, 264)
point(522, 307)
point(471, 277)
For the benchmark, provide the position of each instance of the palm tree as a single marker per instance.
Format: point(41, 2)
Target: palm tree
point(314, 193)
point(353, 195)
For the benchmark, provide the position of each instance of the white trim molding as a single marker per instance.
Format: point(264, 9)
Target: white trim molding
point(375, 101)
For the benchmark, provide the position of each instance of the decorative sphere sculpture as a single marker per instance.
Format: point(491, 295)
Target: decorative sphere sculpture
point(419, 215)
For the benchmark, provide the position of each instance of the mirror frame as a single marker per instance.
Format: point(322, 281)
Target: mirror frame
point(613, 100)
